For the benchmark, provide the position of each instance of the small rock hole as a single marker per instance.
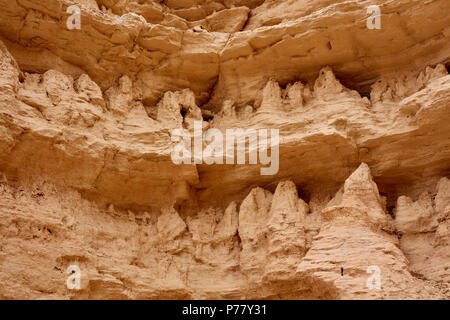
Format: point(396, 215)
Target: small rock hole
point(207, 117)
point(365, 94)
point(390, 210)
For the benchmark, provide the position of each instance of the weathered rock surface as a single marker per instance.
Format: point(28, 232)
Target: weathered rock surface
point(360, 205)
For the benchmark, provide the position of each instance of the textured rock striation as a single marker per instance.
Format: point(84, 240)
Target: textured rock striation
point(360, 205)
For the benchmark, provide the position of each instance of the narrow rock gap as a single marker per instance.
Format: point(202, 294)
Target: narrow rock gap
point(211, 90)
point(391, 211)
point(303, 194)
point(363, 91)
point(183, 112)
point(207, 115)
point(239, 241)
point(364, 94)
point(246, 21)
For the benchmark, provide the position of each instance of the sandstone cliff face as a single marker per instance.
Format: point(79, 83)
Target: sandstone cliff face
point(360, 205)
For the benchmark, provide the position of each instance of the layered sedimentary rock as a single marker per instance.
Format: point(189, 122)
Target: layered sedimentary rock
point(356, 237)
point(358, 209)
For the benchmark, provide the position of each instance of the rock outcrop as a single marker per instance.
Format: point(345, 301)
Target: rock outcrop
point(359, 207)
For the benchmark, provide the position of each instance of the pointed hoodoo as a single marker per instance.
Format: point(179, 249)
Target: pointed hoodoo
point(360, 189)
point(353, 242)
point(360, 195)
point(327, 86)
point(327, 83)
point(171, 106)
point(294, 95)
point(396, 87)
point(272, 231)
point(228, 225)
point(287, 240)
point(168, 111)
point(254, 213)
point(271, 97)
point(253, 216)
point(415, 216)
point(286, 203)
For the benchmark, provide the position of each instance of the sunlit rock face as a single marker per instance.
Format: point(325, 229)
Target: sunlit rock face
point(354, 114)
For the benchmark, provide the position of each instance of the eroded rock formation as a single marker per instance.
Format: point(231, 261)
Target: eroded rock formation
point(360, 205)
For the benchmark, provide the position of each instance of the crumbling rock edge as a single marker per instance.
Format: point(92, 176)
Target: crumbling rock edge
point(87, 177)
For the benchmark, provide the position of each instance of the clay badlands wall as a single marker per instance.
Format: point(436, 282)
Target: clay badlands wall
point(90, 97)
